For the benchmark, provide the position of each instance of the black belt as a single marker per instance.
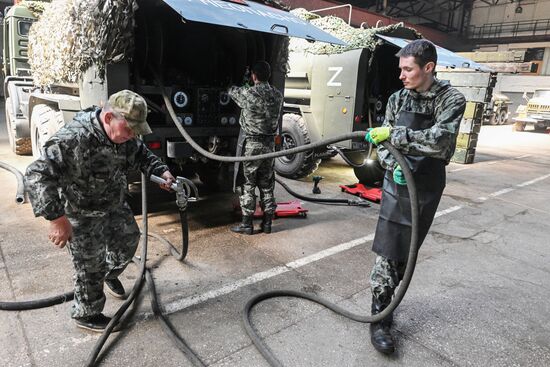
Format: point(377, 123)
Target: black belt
point(260, 137)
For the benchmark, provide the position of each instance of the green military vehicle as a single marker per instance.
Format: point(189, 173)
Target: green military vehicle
point(536, 112)
point(327, 95)
point(198, 48)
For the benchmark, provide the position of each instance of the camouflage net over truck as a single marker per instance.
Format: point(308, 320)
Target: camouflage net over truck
point(72, 35)
point(354, 37)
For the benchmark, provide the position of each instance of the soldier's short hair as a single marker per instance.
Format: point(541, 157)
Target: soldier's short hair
point(423, 51)
point(262, 70)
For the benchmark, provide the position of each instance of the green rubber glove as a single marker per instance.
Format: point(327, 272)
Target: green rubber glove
point(377, 135)
point(398, 176)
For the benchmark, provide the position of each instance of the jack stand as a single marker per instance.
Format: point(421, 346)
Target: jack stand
point(316, 180)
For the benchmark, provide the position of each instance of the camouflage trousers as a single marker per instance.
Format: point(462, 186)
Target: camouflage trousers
point(101, 248)
point(258, 174)
point(385, 277)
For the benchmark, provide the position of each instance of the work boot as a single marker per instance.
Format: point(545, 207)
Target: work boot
point(245, 227)
point(380, 332)
point(265, 226)
point(96, 323)
point(115, 288)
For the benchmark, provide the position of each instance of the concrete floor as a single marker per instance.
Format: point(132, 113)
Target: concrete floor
point(479, 296)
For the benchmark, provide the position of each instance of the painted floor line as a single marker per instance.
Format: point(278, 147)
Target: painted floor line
point(523, 184)
point(501, 192)
point(187, 302)
point(459, 169)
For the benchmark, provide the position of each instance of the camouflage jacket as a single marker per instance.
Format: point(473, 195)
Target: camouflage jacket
point(261, 105)
point(444, 103)
point(81, 172)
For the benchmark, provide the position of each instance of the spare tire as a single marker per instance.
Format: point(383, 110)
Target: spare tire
point(295, 134)
point(45, 121)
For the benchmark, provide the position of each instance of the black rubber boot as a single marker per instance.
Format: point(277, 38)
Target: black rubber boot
point(265, 226)
point(380, 332)
point(245, 227)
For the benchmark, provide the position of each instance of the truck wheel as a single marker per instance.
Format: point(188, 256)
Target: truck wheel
point(540, 127)
point(294, 134)
point(493, 120)
point(45, 121)
point(518, 126)
point(502, 117)
point(19, 145)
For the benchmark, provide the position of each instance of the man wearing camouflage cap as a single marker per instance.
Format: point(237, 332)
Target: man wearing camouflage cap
point(79, 185)
point(421, 121)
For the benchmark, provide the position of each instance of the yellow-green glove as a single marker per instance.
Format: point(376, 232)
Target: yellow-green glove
point(377, 135)
point(398, 176)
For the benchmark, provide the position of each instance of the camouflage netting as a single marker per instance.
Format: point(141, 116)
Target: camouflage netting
point(35, 7)
point(354, 37)
point(72, 35)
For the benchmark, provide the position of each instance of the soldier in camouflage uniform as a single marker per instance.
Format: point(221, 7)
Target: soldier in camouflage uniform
point(422, 121)
point(261, 106)
point(79, 185)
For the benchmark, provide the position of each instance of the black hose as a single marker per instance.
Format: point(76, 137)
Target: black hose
point(345, 158)
point(38, 303)
point(320, 200)
point(184, 238)
point(167, 326)
point(20, 194)
point(137, 285)
point(35, 304)
point(411, 262)
point(221, 158)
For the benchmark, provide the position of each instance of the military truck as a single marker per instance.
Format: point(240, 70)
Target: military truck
point(198, 48)
point(327, 95)
point(498, 111)
point(536, 112)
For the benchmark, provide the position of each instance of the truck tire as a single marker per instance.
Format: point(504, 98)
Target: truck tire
point(19, 145)
point(294, 134)
point(502, 114)
point(493, 120)
point(45, 121)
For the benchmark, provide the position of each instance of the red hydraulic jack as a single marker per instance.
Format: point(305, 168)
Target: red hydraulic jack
point(373, 194)
point(286, 209)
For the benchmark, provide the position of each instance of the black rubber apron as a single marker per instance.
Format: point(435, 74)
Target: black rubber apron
point(393, 232)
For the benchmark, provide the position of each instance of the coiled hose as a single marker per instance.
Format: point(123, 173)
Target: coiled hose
point(413, 253)
point(351, 202)
point(413, 246)
point(411, 262)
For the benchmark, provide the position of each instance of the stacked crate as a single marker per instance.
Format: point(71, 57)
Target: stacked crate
point(470, 126)
point(477, 88)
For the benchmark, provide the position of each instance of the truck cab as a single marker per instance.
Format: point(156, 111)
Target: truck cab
point(536, 112)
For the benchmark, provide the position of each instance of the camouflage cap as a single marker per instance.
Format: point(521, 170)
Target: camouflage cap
point(134, 109)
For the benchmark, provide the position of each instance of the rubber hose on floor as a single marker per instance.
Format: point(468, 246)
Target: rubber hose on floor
point(144, 273)
point(178, 255)
point(38, 303)
point(402, 289)
point(320, 200)
point(20, 194)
